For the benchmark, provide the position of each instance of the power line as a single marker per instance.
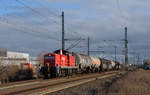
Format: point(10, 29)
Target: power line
point(33, 10)
point(118, 6)
point(31, 32)
point(121, 13)
point(53, 13)
point(74, 45)
point(6, 20)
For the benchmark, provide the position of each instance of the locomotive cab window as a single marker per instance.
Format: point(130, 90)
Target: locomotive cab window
point(50, 59)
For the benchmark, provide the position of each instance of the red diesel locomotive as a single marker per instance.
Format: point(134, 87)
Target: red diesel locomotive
point(61, 62)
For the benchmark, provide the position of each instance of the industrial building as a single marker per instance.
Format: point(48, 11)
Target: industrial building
point(13, 58)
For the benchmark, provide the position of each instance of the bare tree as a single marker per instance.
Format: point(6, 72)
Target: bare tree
point(10, 70)
point(40, 63)
point(40, 58)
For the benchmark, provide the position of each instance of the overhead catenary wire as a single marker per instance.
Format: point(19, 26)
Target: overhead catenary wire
point(32, 9)
point(5, 19)
point(36, 12)
point(118, 6)
point(53, 13)
point(31, 32)
point(108, 47)
point(124, 18)
point(74, 45)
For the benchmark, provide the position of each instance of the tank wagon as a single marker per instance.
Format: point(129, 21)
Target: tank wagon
point(96, 63)
point(118, 65)
point(146, 64)
point(62, 63)
point(82, 62)
point(106, 64)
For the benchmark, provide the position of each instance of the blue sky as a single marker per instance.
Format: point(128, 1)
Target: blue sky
point(34, 26)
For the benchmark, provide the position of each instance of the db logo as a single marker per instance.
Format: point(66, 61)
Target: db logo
point(63, 58)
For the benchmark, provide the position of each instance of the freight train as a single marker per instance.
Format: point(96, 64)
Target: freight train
point(63, 62)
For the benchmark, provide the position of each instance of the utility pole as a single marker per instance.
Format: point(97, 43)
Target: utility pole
point(63, 32)
point(88, 46)
point(126, 47)
point(115, 53)
point(103, 54)
point(134, 57)
point(138, 60)
point(122, 60)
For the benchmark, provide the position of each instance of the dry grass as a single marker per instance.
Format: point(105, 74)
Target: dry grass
point(12, 73)
point(136, 83)
point(8, 72)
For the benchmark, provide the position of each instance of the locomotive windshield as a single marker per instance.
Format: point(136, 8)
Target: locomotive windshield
point(49, 59)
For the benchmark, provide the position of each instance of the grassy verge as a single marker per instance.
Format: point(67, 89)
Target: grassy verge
point(131, 83)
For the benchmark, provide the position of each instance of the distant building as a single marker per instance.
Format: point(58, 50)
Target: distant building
point(34, 60)
point(20, 55)
point(3, 52)
point(13, 58)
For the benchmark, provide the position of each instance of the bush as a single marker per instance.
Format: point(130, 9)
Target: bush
point(12, 73)
point(24, 74)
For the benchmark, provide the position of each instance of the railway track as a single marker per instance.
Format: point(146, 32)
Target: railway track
point(52, 85)
point(19, 82)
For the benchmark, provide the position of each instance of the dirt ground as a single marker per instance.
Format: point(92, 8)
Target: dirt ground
point(133, 83)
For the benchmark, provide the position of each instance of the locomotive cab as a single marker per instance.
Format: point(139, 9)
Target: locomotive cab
point(61, 62)
point(49, 64)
